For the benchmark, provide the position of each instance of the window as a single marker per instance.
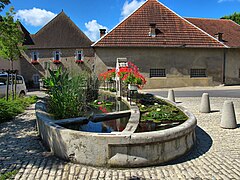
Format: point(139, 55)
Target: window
point(19, 80)
point(157, 73)
point(34, 55)
point(57, 55)
point(79, 55)
point(3, 79)
point(198, 73)
point(35, 78)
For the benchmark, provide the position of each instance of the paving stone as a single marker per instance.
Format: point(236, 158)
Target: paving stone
point(215, 156)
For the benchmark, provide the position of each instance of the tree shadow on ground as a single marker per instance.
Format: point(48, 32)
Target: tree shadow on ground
point(203, 144)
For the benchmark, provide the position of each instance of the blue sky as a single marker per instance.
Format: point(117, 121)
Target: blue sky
point(90, 15)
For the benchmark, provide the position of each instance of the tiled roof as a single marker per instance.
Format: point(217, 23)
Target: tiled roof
point(27, 36)
point(230, 30)
point(60, 32)
point(174, 31)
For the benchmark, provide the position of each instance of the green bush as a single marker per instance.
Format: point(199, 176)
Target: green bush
point(8, 175)
point(70, 95)
point(9, 109)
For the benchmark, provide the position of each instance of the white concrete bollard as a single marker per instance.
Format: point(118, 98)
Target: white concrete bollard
point(205, 104)
point(228, 119)
point(171, 95)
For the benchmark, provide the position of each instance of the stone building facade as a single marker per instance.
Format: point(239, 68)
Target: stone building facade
point(59, 43)
point(172, 51)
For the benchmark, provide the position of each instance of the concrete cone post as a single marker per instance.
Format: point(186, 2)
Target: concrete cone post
point(228, 119)
point(171, 95)
point(205, 104)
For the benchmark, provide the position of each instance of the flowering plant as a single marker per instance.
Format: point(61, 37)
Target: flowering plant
point(79, 61)
point(56, 61)
point(35, 62)
point(131, 75)
point(108, 75)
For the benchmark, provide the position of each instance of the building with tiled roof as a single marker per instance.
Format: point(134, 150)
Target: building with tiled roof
point(171, 30)
point(172, 51)
point(227, 30)
point(58, 43)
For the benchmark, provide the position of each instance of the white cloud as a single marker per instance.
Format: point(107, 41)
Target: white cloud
point(93, 29)
point(35, 16)
point(220, 1)
point(129, 7)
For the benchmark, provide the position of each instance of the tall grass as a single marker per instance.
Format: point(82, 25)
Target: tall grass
point(9, 109)
point(70, 95)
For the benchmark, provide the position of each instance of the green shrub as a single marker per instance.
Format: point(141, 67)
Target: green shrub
point(9, 109)
point(8, 175)
point(70, 95)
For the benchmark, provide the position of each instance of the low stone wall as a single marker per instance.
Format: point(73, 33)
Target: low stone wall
point(120, 149)
point(176, 81)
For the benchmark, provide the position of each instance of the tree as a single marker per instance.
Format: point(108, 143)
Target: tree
point(3, 3)
point(235, 17)
point(11, 40)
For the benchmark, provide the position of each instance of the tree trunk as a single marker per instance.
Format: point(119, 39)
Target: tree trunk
point(7, 91)
point(12, 79)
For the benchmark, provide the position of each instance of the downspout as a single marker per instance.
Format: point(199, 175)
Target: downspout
point(224, 66)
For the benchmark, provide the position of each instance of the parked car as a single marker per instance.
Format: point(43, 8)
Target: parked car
point(21, 89)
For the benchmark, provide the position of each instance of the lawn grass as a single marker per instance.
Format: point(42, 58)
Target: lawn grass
point(10, 109)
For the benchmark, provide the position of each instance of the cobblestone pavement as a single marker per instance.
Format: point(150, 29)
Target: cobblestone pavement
point(215, 156)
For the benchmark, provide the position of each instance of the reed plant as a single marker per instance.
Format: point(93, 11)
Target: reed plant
point(69, 95)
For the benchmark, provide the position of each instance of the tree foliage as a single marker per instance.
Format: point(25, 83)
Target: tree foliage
point(11, 37)
point(11, 42)
point(235, 17)
point(3, 3)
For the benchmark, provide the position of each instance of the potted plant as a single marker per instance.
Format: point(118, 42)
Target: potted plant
point(132, 77)
point(108, 76)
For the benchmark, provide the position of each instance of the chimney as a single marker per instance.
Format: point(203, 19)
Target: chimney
point(152, 29)
point(102, 32)
point(219, 36)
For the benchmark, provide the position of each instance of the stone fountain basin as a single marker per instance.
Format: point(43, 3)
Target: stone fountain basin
point(117, 149)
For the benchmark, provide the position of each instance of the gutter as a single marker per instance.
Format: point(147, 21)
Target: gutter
point(224, 67)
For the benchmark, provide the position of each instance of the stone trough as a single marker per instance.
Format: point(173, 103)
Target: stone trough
point(116, 149)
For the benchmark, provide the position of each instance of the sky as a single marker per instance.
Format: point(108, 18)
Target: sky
point(92, 15)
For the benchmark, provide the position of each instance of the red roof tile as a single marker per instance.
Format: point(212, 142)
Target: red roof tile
point(230, 29)
point(175, 30)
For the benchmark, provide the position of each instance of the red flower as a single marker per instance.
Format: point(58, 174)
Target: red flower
point(35, 62)
point(56, 61)
point(108, 75)
point(129, 75)
point(79, 61)
point(103, 109)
